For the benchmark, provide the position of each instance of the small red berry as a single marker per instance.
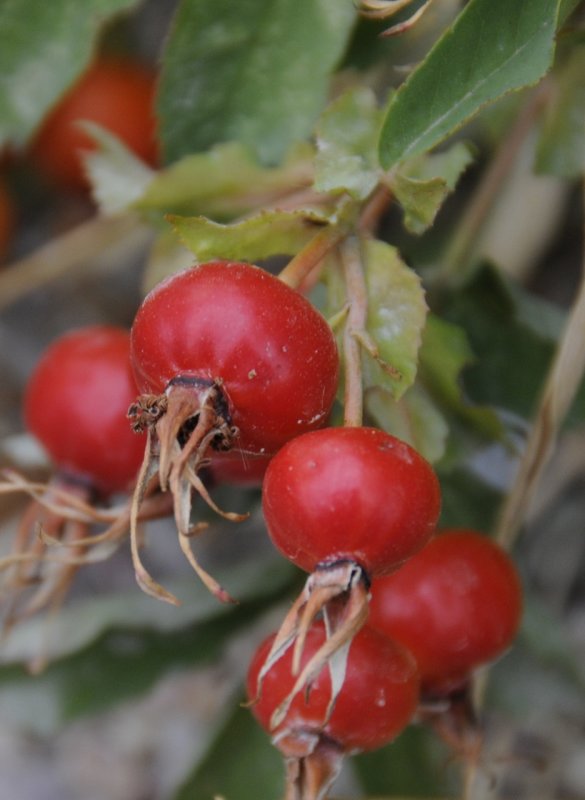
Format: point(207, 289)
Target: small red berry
point(117, 95)
point(455, 605)
point(76, 403)
point(345, 504)
point(229, 358)
point(273, 353)
point(378, 698)
point(355, 494)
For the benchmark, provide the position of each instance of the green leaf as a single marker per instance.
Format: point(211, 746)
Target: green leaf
point(118, 178)
point(561, 148)
point(545, 639)
point(420, 200)
point(269, 233)
point(255, 769)
point(166, 257)
point(255, 73)
point(347, 134)
point(493, 47)
point(85, 620)
point(133, 651)
point(467, 500)
point(415, 419)
point(434, 415)
point(541, 676)
point(444, 354)
point(44, 47)
point(413, 766)
point(423, 184)
point(448, 165)
point(123, 664)
point(225, 181)
point(513, 337)
point(396, 316)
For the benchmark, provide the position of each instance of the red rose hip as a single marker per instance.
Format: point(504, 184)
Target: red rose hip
point(345, 504)
point(76, 402)
point(455, 605)
point(118, 95)
point(273, 352)
point(228, 358)
point(355, 494)
point(378, 698)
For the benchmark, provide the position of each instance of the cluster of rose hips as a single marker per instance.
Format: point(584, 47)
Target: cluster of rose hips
point(224, 364)
point(228, 366)
point(356, 508)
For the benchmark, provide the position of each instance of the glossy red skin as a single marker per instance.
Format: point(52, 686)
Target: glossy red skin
point(455, 605)
point(273, 351)
point(350, 493)
point(378, 698)
point(76, 403)
point(117, 95)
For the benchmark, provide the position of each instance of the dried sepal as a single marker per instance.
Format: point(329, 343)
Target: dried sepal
point(312, 764)
point(454, 719)
point(59, 497)
point(340, 592)
point(53, 540)
point(384, 9)
point(184, 425)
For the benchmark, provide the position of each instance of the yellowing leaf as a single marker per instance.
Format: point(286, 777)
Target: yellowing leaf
point(267, 234)
point(396, 316)
point(415, 419)
point(347, 133)
point(422, 185)
point(223, 182)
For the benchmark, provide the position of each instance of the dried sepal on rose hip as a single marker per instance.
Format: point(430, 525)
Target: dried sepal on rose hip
point(378, 698)
point(346, 505)
point(75, 405)
point(228, 359)
point(456, 605)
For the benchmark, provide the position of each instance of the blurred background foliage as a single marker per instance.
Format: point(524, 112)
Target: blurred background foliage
point(142, 701)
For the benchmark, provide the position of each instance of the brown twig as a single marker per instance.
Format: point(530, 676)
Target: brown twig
point(562, 383)
point(373, 209)
point(73, 249)
point(299, 267)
